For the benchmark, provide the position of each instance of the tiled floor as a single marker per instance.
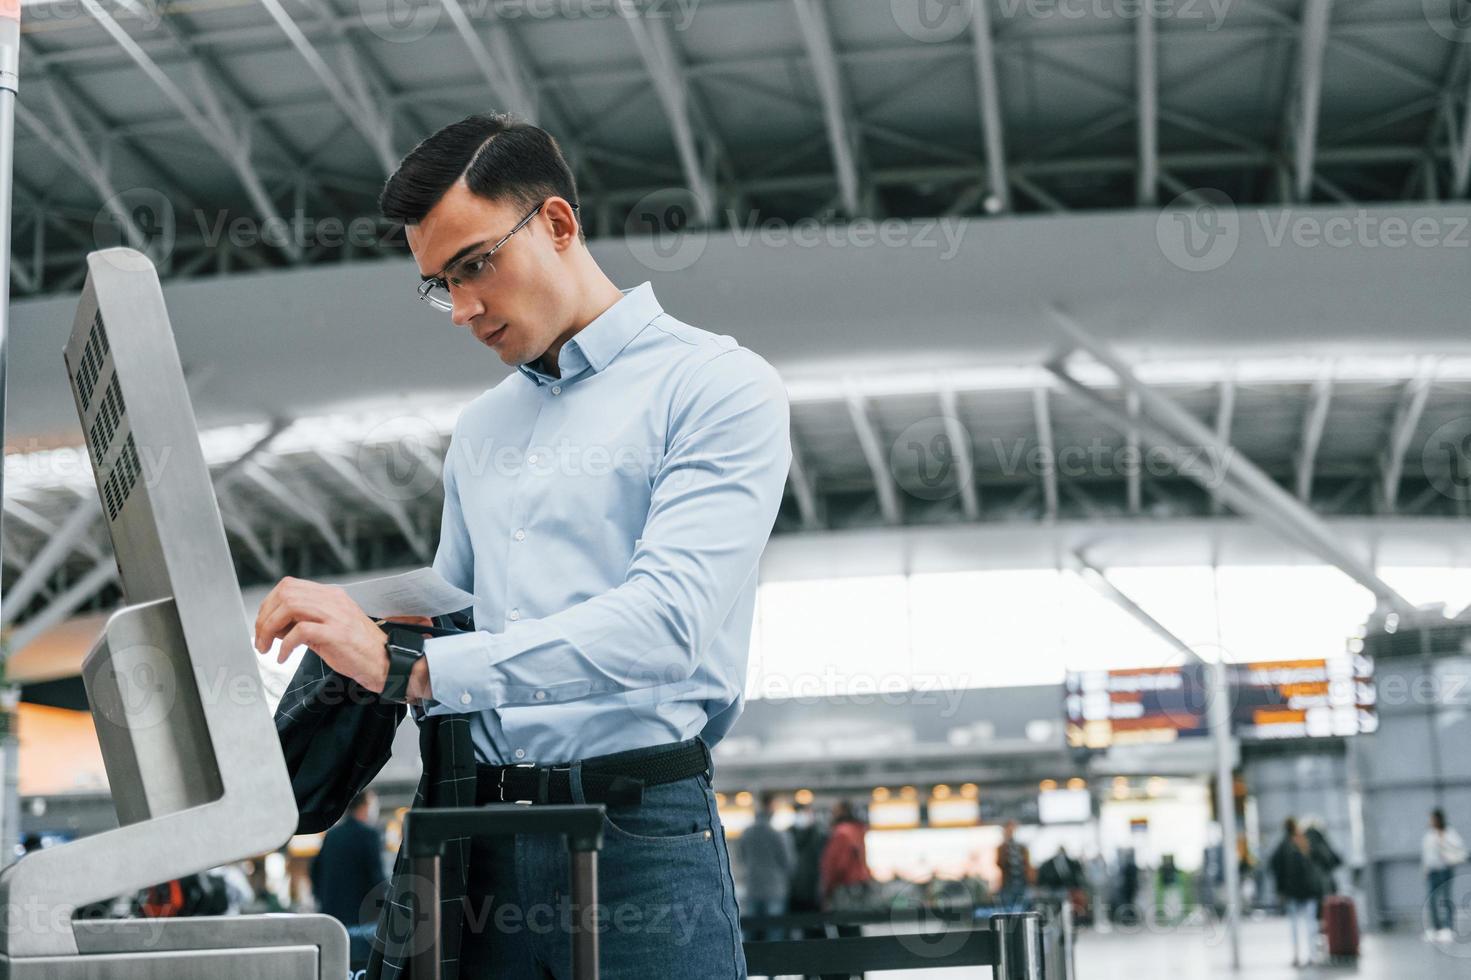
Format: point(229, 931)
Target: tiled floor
point(1201, 953)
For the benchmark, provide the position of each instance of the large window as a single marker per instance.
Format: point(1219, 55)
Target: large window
point(1002, 628)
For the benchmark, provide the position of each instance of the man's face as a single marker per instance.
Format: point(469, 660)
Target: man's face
point(518, 308)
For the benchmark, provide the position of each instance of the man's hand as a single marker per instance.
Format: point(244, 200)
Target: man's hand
point(323, 617)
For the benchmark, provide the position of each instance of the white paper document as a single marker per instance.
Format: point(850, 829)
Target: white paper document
point(422, 592)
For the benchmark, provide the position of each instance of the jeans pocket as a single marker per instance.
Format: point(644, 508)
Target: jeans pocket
point(671, 815)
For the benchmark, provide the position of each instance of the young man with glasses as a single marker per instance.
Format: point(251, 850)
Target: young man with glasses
point(607, 503)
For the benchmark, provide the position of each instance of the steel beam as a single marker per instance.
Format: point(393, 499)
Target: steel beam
point(1225, 413)
point(884, 483)
point(803, 489)
point(59, 608)
point(367, 116)
point(1146, 80)
point(1314, 423)
point(503, 70)
point(1313, 42)
point(992, 127)
point(1259, 494)
point(1042, 417)
point(393, 509)
point(656, 48)
point(836, 103)
point(1411, 407)
point(960, 451)
point(308, 513)
point(211, 123)
point(73, 530)
point(1099, 581)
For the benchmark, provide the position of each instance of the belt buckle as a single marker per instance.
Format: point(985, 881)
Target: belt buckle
point(501, 780)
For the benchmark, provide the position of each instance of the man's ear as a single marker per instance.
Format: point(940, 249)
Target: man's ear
point(563, 221)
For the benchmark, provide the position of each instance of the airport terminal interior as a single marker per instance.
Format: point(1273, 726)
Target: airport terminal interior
point(1111, 619)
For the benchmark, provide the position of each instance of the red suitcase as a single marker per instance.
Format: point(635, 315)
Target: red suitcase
point(1341, 927)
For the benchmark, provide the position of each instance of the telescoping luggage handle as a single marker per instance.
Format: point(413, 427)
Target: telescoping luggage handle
point(426, 831)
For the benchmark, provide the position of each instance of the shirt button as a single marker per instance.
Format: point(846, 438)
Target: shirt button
point(541, 695)
point(520, 753)
point(531, 459)
point(520, 534)
point(556, 389)
point(465, 698)
point(514, 614)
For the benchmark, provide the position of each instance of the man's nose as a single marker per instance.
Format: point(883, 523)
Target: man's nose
point(467, 307)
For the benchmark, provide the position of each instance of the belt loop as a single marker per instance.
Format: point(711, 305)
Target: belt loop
point(574, 781)
point(709, 759)
point(543, 778)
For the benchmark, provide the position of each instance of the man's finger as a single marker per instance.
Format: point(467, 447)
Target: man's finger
point(295, 609)
point(268, 607)
point(300, 635)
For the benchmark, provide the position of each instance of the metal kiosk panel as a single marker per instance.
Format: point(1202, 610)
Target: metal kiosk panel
point(192, 757)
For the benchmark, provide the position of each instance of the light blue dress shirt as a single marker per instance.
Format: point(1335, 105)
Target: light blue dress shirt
point(610, 523)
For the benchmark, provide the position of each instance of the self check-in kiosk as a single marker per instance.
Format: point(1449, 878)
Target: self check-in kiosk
point(196, 771)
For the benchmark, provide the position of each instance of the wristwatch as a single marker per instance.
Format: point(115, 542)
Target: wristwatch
point(405, 647)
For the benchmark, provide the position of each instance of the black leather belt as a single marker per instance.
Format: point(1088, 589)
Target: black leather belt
point(616, 778)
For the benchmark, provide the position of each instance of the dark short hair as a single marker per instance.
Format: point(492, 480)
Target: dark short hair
point(500, 157)
point(360, 800)
point(1289, 826)
point(1437, 817)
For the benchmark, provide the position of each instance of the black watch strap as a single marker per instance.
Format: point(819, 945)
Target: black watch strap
point(405, 647)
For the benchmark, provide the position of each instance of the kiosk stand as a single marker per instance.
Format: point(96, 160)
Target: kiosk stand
point(192, 757)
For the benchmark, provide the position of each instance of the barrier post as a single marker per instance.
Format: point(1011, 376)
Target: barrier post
point(1019, 946)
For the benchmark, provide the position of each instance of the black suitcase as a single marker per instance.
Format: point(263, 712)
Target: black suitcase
point(426, 831)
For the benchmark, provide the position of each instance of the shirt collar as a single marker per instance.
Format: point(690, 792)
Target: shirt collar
point(597, 344)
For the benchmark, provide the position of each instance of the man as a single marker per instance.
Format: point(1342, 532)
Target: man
point(349, 867)
point(607, 504)
point(1015, 863)
point(768, 859)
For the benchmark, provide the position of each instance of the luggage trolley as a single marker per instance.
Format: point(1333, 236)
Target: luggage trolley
point(192, 757)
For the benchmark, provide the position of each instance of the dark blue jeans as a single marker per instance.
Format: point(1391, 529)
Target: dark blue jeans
point(1442, 903)
point(667, 899)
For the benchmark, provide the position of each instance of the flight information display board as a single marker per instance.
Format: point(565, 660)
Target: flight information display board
point(1304, 698)
point(1150, 705)
point(1282, 699)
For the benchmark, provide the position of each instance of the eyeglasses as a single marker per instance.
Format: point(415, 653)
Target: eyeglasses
point(474, 269)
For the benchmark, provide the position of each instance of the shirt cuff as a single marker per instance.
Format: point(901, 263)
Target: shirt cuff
point(458, 672)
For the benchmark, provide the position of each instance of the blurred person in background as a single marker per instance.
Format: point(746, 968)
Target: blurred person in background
point(1299, 886)
point(808, 842)
point(768, 858)
point(1325, 858)
point(349, 867)
point(846, 880)
point(1441, 851)
point(1017, 874)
